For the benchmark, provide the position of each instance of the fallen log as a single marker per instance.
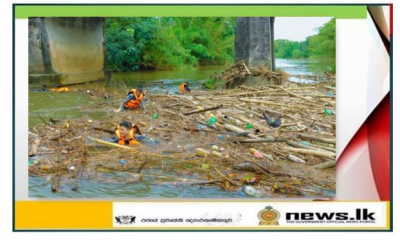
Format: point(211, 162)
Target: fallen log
point(319, 139)
point(295, 95)
point(203, 110)
point(322, 148)
point(112, 144)
point(312, 152)
point(323, 165)
point(263, 140)
point(104, 130)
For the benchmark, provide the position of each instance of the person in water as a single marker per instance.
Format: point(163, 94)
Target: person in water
point(44, 88)
point(133, 100)
point(184, 88)
point(126, 133)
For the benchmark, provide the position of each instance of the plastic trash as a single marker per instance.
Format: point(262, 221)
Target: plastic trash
point(213, 119)
point(215, 147)
point(249, 126)
point(122, 162)
point(251, 191)
point(257, 154)
point(220, 137)
point(30, 163)
point(212, 125)
point(155, 116)
point(140, 137)
point(329, 94)
point(304, 143)
point(328, 112)
point(201, 127)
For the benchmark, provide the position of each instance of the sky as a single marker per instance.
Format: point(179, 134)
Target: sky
point(297, 28)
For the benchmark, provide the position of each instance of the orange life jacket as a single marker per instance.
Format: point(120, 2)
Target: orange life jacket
point(183, 86)
point(131, 137)
point(61, 89)
point(132, 104)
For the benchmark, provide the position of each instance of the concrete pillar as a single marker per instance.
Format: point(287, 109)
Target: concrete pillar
point(254, 42)
point(64, 51)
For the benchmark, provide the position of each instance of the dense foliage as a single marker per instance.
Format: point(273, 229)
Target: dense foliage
point(168, 43)
point(321, 45)
point(154, 43)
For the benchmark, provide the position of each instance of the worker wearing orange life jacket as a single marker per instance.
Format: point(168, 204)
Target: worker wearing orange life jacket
point(61, 89)
point(133, 100)
point(184, 88)
point(126, 133)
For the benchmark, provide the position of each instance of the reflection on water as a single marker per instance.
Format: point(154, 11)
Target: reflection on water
point(149, 187)
point(303, 67)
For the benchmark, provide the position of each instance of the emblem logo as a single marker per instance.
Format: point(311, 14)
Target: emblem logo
point(269, 216)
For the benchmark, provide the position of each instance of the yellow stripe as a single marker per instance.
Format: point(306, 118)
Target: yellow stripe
point(63, 215)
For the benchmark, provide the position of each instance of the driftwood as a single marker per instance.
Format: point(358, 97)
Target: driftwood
point(202, 152)
point(203, 110)
point(77, 174)
point(327, 164)
point(316, 138)
point(112, 144)
point(217, 154)
point(56, 183)
point(104, 130)
point(263, 140)
point(312, 152)
point(34, 147)
point(295, 159)
point(141, 167)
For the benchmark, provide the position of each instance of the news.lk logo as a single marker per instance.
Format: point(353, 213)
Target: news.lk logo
point(360, 216)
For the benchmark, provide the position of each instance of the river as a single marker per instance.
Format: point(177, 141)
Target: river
point(68, 105)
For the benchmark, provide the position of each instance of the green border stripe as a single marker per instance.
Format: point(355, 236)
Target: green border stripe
point(25, 11)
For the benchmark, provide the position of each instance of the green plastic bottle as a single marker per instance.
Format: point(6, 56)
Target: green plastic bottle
point(328, 112)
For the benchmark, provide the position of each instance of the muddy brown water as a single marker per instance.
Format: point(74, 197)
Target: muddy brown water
point(69, 106)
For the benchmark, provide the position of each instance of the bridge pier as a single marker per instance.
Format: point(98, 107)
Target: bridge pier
point(254, 42)
point(65, 51)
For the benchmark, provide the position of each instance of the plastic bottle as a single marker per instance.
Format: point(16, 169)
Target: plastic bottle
point(304, 143)
point(251, 191)
point(201, 127)
point(328, 112)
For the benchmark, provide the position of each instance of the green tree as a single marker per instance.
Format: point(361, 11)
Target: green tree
point(321, 45)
